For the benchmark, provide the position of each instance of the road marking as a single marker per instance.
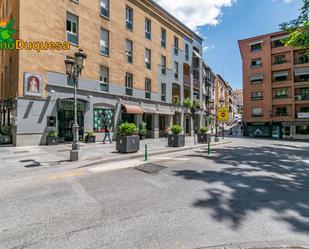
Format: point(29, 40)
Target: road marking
point(65, 175)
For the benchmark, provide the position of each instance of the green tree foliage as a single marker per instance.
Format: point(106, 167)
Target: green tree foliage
point(298, 29)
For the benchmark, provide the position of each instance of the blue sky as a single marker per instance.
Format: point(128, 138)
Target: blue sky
point(244, 19)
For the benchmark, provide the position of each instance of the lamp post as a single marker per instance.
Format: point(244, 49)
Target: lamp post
point(221, 105)
point(193, 111)
point(74, 69)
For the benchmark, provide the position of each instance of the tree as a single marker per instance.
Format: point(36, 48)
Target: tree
point(298, 29)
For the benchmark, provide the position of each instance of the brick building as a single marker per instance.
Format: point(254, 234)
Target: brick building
point(276, 88)
point(141, 60)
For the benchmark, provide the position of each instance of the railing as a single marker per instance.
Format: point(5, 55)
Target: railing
point(187, 80)
point(257, 114)
point(279, 62)
point(257, 98)
point(302, 97)
point(196, 83)
point(302, 60)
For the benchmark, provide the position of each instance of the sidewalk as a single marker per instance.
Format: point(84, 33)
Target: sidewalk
point(35, 156)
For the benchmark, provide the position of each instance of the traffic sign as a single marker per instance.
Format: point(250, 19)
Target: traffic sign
point(223, 114)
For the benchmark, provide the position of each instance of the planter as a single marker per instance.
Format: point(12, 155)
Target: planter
point(127, 144)
point(176, 140)
point(5, 139)
point(142, 137)
point(52, 140)
point(203, 138)
point(90, 139)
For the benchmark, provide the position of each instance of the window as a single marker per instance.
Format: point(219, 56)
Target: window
point(256, 95)
point(256, 47)
point(281, 93)
point(104, 42)
point(302, 58)
point(257, 112)
point(163, 92)
point(104, 78)
point(302, 94)
point(304, 109)
point(163, 64)
point(148, 28)
point(72, 28)
point(303, 77)
point(255, 81)
point(277, 43)
point(281, 111)
point(51, 121)
point(163, 38)
point(147, 88)
point(302, 130)
point(187, 51)
point(280, 76)
point(176, 45)
point(148, 58)
point(105, 8)
point(176, 69)
point(129, 51)
point(129, 18)
point(256, 63)
point(129, 84)
point(280, 59)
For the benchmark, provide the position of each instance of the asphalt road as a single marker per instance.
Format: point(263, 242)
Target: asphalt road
point(250, 192)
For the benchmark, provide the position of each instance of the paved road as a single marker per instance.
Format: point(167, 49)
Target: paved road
point(249, 193)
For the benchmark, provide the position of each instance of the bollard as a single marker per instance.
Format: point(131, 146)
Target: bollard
point(146, 153)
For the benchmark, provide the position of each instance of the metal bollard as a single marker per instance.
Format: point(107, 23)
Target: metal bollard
point(209, 149)
point(146, 153)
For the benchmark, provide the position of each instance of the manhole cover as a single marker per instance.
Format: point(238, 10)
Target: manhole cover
point(151, 168)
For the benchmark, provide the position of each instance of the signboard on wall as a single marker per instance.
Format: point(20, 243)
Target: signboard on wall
point(33, 85)
point(223, 114)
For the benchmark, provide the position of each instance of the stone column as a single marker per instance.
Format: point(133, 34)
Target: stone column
point(117, 118)
point(155, 126)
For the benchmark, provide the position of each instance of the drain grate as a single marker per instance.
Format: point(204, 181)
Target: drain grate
point(151, 168)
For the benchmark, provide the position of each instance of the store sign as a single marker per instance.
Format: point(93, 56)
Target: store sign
point(223, 114)
point(33, 85)
point(303, 115)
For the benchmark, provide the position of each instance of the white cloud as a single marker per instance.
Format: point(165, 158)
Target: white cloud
point(196, 13)
point(206, 48)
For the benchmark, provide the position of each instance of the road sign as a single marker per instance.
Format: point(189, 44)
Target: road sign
point(223, 114)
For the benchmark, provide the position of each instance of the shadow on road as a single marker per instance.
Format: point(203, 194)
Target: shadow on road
point(255, 179)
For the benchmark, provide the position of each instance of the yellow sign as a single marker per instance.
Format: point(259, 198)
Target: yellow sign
point(223, 114)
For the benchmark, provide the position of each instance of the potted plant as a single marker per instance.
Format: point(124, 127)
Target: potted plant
point(142, 131)
point(127, 139)
point(197, 104)
point(52, 138)
point(176, 101)
point(6, 134)
point(90, 137)
point(176, 139)
point(203, 137)
point(187, 102)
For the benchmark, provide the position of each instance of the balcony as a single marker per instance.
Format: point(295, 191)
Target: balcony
point(257, 98)
point(302, 115)
point(196, 83)
point(301, 97)
point(186, 80)
point(301, 60)
point(257, 115)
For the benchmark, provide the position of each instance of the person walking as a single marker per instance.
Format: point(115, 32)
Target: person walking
point(107, 134)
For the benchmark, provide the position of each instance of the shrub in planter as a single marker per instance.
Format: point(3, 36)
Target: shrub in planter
point(6, 134)
point(176, 139)
point(127, 140)
point(52, 138)
point(203, 137)
point(142, 130)
point(90, 137)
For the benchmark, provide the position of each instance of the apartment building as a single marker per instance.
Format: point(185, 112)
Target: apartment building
point(276, 88)
point(209, 89)
point(140, 59)
point(239, 100)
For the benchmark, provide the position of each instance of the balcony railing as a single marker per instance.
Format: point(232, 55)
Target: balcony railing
point(196, 83)
point(279, 62)
point(187, 80)
point(257, 114)
point(301, 97)
point(302, 60)
point(257, 98)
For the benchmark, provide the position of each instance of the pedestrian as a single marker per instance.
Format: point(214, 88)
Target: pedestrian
point(107, 134)
point(166, 131)
point(231, 132)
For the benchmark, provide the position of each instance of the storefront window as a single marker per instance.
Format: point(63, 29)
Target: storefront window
point(302, 130)
point(102, 117)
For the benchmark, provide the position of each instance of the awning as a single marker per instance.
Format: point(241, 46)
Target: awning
point(279, 37)
point(259, 76)
point(281, 74)
point(149, 109)
point(133, 109)
point(254, 43)
point(301, 71)
point(197, 54)
point(164, 110)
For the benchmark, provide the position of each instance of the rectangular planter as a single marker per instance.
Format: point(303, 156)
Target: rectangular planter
point(5, 139)
point(203, 138)
point(127, 144)
point(52, 140)
point(90, 139)
point(176, 140)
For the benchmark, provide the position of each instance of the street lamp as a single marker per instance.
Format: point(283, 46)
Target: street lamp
point(221, 105)
point(193, 111)
point(74, 69)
